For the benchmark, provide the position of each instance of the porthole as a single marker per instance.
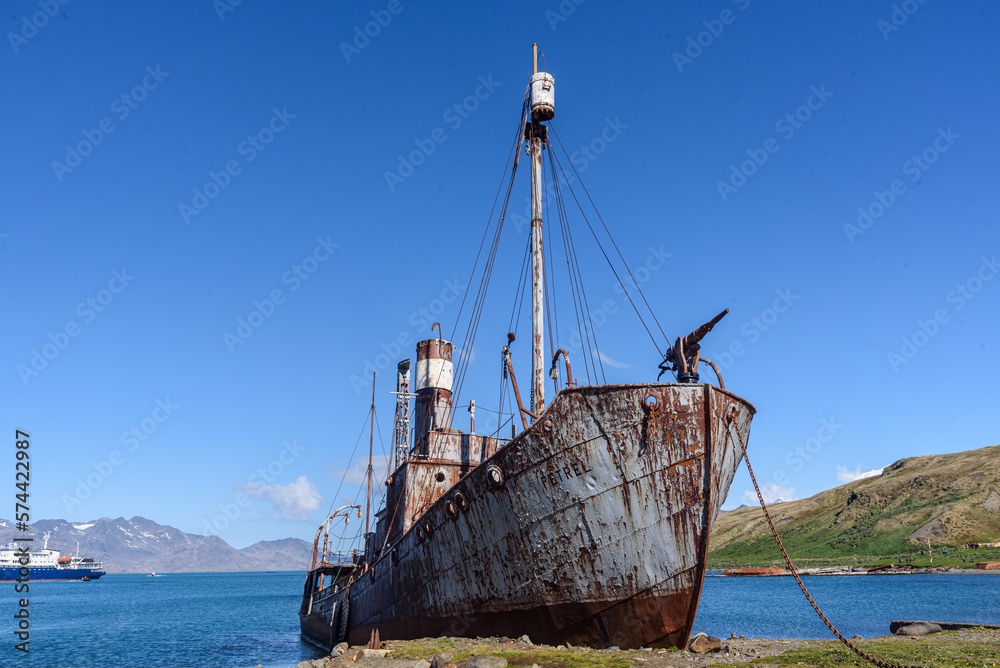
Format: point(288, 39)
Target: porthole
point(494, 475)
point(449, 507)
point(460, 502)
point(440, 476)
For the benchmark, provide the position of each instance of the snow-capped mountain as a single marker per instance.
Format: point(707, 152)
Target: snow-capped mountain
point(139, 545)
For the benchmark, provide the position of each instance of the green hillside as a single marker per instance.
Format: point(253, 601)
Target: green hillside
point(952, 499)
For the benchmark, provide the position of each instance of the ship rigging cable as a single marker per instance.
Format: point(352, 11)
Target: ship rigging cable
point(588, 337)
point(788, 562)
point(514, 153)
point(593, 362)
point(348, 467)
point(477, 309)
point(601, 218)
point(553, 320)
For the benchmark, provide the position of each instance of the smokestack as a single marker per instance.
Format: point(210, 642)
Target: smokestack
point(433, 381)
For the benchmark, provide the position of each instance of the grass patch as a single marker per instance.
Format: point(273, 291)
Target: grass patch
point(949, 652)
point(544, 657)
point(551, 658)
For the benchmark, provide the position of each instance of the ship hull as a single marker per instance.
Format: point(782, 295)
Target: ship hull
point(596, 535)
point(50, 573)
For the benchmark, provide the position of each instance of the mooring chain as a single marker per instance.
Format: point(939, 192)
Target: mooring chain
point(795, 574)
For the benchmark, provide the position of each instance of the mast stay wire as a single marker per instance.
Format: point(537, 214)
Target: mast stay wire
point(572, 271)
point(515, 151)
point(610, 237)
point(588, 336)
point(348, 467)
point(548, 278)
point(519, 293)
point(487, 272)
point(603, 252)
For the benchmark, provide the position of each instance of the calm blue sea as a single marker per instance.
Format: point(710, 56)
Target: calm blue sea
point(223, 620)
point(774, 607)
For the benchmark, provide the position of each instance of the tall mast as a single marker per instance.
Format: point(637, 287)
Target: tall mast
point(371, 443)
point(536, 136)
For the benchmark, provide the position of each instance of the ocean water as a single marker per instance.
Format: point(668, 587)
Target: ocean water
point(237, 620)
point(217, 620)
point(774, 607)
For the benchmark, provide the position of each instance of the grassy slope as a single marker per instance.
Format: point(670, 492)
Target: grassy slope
point(953, 498)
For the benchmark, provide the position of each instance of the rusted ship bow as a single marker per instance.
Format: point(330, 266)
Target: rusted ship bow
point(590, 526)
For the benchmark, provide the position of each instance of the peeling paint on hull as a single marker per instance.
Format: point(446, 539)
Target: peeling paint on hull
point(597, 535)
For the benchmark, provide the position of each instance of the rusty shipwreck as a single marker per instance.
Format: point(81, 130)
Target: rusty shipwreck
point(589, 526)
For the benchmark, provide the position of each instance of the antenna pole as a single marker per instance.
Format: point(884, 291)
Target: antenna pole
point(371, 443)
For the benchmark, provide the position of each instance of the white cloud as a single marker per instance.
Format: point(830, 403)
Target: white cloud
point(358, 473)
point(771, 494)
point(612, 362)
point(293, 501)
point(844, 474)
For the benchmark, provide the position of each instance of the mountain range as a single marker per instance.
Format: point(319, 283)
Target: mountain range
point(951, 499)
point(139, 545)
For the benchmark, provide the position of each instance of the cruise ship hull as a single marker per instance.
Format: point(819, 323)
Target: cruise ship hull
point(8, 574)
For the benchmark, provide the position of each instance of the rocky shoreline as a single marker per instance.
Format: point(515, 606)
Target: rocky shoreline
point(945, 650)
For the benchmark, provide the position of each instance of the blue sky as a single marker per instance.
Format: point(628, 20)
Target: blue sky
point(171, 168)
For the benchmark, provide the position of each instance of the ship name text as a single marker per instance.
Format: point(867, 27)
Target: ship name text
point(556, 474)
